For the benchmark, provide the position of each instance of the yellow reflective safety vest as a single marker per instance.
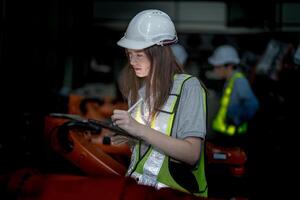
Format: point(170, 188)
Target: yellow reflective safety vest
point(219, 123)
point(153, 168)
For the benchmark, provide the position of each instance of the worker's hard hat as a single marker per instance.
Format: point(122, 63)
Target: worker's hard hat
point(148, 28)
point(179, 53)
point(224, 54)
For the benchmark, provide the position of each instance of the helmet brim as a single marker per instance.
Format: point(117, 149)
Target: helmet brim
point(217, 62)
point(135, 45)
point(212, 61)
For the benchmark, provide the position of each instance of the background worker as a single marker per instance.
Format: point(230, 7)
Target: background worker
point(238, 103)
point(180, 53)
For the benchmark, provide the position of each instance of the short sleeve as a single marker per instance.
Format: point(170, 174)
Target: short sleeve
point(243, 103)
point(190, 119)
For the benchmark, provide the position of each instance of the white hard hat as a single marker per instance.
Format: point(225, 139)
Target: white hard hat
point(224, 54)
point(180, 53)
point(148, 28)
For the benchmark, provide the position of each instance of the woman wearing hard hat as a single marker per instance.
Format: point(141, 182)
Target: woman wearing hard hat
point(167, 108)
point(238, 103)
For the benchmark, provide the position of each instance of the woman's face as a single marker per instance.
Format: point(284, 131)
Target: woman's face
point(139, 62)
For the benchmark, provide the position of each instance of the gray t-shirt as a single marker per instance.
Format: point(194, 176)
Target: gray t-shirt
point(190, 119)
point(191, 112)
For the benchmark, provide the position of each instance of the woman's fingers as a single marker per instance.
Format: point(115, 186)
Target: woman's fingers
point(126, 122)
point(120, 117)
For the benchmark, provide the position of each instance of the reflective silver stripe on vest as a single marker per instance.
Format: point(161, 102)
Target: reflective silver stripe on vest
point(136, 114)
point(162, 123)
point(156, 184)
point(133, 160)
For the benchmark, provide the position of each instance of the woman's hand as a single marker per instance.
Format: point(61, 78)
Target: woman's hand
point(123, 120)
point(186, 150)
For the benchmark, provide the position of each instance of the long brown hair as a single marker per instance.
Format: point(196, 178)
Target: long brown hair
point(159, 81)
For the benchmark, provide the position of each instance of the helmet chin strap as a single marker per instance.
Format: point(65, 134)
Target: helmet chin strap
point(167, 42)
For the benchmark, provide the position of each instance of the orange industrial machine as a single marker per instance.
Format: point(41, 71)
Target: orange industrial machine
point(232, 158)
point(30, 184)
point(93, 108)
point(72, 139)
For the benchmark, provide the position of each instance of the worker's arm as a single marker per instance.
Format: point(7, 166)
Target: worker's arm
point(186, 150)
point(243, 104)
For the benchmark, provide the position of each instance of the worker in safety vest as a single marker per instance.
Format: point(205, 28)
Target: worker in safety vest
point(167, 108)
point(238, 103)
